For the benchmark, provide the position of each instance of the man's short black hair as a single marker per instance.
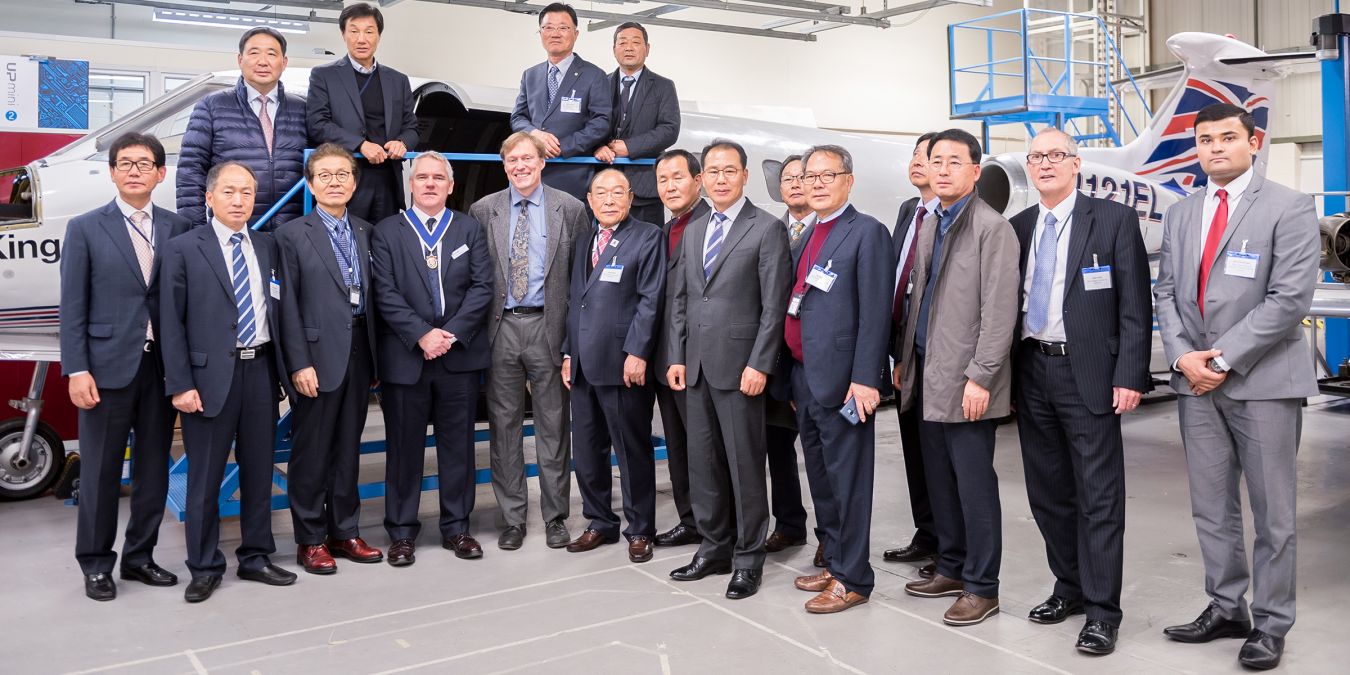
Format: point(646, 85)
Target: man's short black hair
point(630, 24)
point(213, 176)
point(263, 30)
point(926, 137)
point(136, 139)
point(690, 161)
point(1222, 111)
point(361, 10)
point(957, 136)
point(556, 7)
point(726, 144)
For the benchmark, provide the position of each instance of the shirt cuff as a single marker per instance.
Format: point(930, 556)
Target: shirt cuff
point(1175, 369)
point(78, 372)
point(1218, 360)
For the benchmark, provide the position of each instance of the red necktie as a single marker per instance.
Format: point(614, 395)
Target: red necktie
point(902, 283)
point(601, 242)
point(1216, 228)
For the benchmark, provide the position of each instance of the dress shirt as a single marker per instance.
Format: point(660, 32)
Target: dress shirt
point(1054, 323)
point(362, 69)
point(731, 214)
point(945, 222)
point(257, 285)
point(636, 77)
point(931, 207)
point(422, 218)
point(538, 246)
point(331, 224)
point(272, 101)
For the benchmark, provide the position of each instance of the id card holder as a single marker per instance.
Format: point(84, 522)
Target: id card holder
point(612, 273)
point(795, 304)
point(821, 278)
point(1097, 277)
point(455, 254)
point(275, 288)
point(570, 104)
point(354, 295)
point(1242, 264)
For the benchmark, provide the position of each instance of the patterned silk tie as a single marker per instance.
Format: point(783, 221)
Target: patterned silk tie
point(145, 255)
point(1038, 305)
point(520, 253)
point(552, 84)
point(1216, 228)
point(266, 121)
point(714, 243)
point(602, 240)
point(795, 230)
point(902, 282)
point(625, 97)
point(435, 276)
point(243, 293)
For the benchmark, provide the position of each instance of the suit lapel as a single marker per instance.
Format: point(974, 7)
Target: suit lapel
point(1235, 218)
point(115, 224)
point(611, 250)
point(700, 210)
point(413, 245)
point(1080, 230)
point(501, 230)
point(838, 233)
point(362, 236)
point(1193, 242)
point(639, 97)
point(387, 87)
point(215, 259)
point(694, 233)
point(317, 233)
point(903, 222)
point(347, 75)
point(745, 220)
point(555, 224)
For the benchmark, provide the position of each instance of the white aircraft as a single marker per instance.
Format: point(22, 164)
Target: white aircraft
point(1149, 174)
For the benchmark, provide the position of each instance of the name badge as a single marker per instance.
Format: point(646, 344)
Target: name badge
point(275, 289)
point(455, 254)
point(570, 104)
point(354, 295)
point(612, 273)
point(1097, 277)
point(1242, 264)
point(822, 278)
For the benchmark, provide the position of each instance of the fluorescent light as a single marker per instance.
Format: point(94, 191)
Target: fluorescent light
point(194, 18)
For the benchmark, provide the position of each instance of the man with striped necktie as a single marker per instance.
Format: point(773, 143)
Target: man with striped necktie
point(220, 288)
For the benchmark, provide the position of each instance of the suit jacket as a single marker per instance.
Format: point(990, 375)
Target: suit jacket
point(1110, 331)
point(408, 309)
point(652, 126)
point(579, 134)
point(734, 317)
point(334, 113)
point(567, 224)
point(845, 331)
point(316, 313)
point(904, 220)
point(1257, 322)
point(105, 301)
point(674, 282)
point(608, 321)
point(971, 318)
point(198, 318)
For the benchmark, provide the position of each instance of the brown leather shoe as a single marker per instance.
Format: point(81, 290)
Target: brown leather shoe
point(820, 556)
point(937, 587)
point(835, 598)
point(464, 546)
point(640, 549)
point(355, 550)
point(970, 609)
point(402, 552)
point(589, 541)
point(927, 571)
point(778, 541)
point(315, 559)
point(814, 583)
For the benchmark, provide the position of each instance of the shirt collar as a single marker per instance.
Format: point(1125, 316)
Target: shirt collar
point(253, 94)
point(732, 212)
point(127, 209)
point(835, 216)
point(932, 205)
point(223, 233)
point(564, 66)
point(362, 69)
point(1062, 211)
point(636, 76)
point(956, 208)
point(808, 221)
point(1235, 187)
point(422, 217)
point(535, 198)
point(332, 223)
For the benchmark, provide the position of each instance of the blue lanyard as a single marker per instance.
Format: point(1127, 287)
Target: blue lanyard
point(139, 233)
point(430, 239)
point(353, 272)
point(371, 77)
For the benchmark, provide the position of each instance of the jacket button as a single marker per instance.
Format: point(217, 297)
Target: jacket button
point(583, 305)
point(705, 299)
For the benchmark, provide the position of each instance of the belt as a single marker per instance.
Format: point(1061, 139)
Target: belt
point(250, 353)
point(359, 321)
point(525, 310)
point(1050, 348)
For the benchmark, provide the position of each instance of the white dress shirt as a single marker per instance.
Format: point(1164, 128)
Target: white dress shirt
point(362, 69)
point(633, 87)
point(1235, 188)
point(731, 214)
point(257, 285)
point(272, 101)
point(930, 207)
point(1054, 322)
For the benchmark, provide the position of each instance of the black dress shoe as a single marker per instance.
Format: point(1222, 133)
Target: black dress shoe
point(99, 587)
point(201, 588)
point(743, 584)
point(149, 574)
point(680, 535)
point(928, 571)
point(1262, 651)
point(464, 546)
point(700, 567)
point(1209, 626)
point(511, 538)
point(1097, 637)
point(1055, 609)
point(555, 534)
point(270, 575)
point(402, 552)
point(910, 553)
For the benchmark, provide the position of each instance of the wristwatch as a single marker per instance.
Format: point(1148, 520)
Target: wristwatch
point(1214, 366)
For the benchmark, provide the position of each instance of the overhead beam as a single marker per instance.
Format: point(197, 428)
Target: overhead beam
point(312, 17)
point(646, 13)
point(526, 8)
point(788, 13)
point(904, 9)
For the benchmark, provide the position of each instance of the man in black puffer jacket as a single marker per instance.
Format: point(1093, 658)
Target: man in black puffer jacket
point(256, 124)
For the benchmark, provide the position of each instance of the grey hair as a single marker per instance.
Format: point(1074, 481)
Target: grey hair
point(836, 150)
point(449, 170)
point(1070, 143)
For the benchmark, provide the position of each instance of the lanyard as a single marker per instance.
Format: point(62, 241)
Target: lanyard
point(430, 239)
point(353, 272)
point(368, 80)
point(139, 233)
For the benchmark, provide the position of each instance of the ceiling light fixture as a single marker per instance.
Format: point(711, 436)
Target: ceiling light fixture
point(228, 20)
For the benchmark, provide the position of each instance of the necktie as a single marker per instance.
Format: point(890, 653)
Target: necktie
point(1038, 305)
point(520, 253)
point(434, 276)
point(243, 293)
point(624, 101)
point(145, 256)
point(1216, 228)
point(714, 243)
point(795, 230)
point(345, 260)
point(552, 84)
point(902, 282)
point(266, 121)
point(602, 240)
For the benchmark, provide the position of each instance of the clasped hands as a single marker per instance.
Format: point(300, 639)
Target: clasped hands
point(435, 343)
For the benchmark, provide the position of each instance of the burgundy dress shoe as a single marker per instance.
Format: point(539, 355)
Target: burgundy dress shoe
point(590, 540)
point(820, 556)
point(464, 546)
point(355, 550)
point(778, 541)
point(402, 552)
point(639, 549)
point(316, 559)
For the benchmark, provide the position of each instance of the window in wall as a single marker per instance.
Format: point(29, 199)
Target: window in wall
point(113, 94)
point(172, 82)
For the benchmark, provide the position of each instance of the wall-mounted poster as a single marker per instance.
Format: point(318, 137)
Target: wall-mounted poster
point(43, 93)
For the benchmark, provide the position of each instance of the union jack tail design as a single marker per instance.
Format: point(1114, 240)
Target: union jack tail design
point(1174, 161)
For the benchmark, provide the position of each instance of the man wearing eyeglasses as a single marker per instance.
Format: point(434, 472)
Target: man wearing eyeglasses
point(953, 363)
point(1081, 363)
point(564, 102)
point(328, 330)
point(110, 355)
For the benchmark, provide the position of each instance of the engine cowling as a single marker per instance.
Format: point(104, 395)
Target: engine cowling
point(1336, 245)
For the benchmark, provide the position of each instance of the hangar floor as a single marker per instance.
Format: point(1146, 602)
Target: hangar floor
point(541, 610)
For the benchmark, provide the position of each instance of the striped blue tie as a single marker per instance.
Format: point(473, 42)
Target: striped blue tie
point(1038, 303)
point(243, 294)
point(714, 243)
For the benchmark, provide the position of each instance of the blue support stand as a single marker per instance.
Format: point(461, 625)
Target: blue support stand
point(1333, 32)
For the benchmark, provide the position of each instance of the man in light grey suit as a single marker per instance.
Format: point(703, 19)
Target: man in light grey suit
point(724, 335)
point(1238, 268)
point(531, 230)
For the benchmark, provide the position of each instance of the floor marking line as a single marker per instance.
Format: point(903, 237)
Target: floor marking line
point(579, 652)
point(197, 664)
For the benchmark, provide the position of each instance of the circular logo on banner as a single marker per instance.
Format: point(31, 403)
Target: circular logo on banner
point(10, 115)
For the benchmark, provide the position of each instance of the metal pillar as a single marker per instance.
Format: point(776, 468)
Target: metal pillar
point(1331, 37)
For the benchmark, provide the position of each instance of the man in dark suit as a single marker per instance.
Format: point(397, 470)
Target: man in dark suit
point(109, 352)
point(724, 334)
point(836, 332)
point(645, 120)
point(611, 334)
point(328, 332)
point(1082, 362)
point(564, 102)
point(922, 547)
point(678, 182)
point(433, 285)
point(366, 108)
point(220, 287)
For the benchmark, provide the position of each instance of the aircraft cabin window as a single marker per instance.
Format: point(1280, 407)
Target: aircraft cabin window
point(172, 82)
point(772, 168)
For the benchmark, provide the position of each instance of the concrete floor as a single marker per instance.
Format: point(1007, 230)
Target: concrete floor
point(541, 610)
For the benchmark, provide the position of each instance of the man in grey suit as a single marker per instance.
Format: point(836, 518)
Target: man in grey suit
point(564, 102)
point(1236, 277)
point(645, 120)
point(532, 229)
point(725, 331)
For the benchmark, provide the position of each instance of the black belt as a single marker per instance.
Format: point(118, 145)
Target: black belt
point(525, 310)
point(250, 353)
point(1050, 348)
point(359, 321)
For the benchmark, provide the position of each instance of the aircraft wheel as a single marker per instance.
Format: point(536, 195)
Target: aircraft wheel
point(31, 478)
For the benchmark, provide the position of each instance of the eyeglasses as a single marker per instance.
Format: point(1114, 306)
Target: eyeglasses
point(144, 166)
point(825, 177)
point(554, 29)
point(789, 180)
point(617, 194)
point(729, 174)
point(953, 165)
point(341, 177)
point(1055, 157)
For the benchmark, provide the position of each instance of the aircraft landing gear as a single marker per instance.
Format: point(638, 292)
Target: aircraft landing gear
point(31, 453)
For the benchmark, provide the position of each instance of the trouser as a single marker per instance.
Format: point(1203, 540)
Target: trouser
point(674, 417)
point(726, 474)
point(920, 509)
point(785, 485)
point(618, 416)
